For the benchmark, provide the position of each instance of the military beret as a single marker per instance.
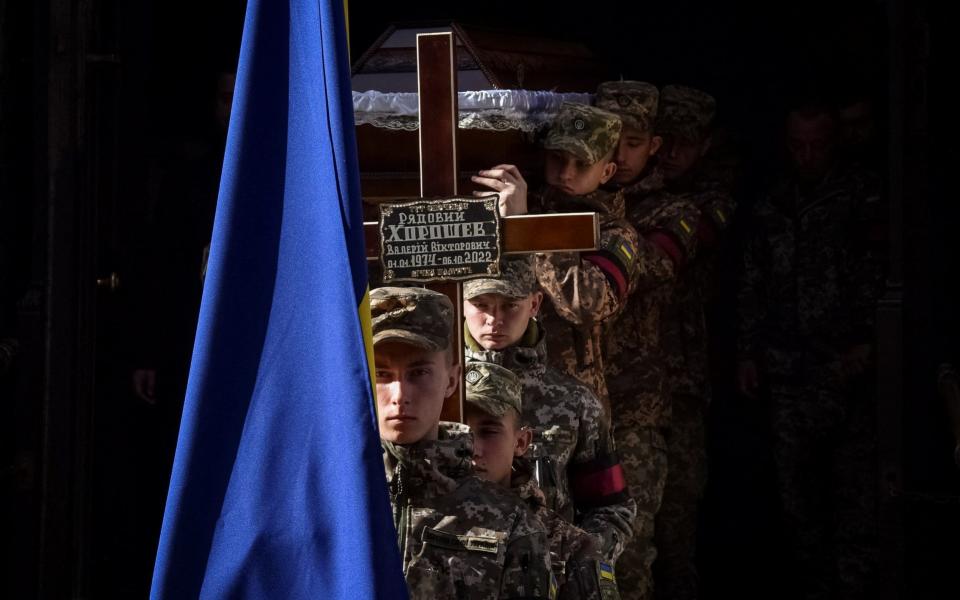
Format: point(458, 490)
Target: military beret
point(685, 112)
point(587, 132)
point(517, 280)
point(635, 102)
point(417, 316)
point(492, 388)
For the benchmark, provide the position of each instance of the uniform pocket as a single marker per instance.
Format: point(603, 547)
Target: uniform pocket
point(451, 565)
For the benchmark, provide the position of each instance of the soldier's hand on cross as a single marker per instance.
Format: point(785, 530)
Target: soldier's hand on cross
point(507, 181)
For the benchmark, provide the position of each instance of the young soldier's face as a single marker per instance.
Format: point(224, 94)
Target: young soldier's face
point(633, 153)
point(678, 155)
point(496, 321)
point(811, 141)
point(411, 386)
point(573, 176)
point(496, 442)
point(857, 124)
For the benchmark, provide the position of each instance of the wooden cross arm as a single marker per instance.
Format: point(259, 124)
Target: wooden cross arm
point(565, 232)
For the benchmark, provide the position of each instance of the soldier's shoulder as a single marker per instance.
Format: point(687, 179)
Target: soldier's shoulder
point(677, 216)
point(713, 197)
point(717, 203)
point(667, 200)
point(618, 229)
point(556, 377)
point(613, 202)
point(673, 208)
point(561, 388)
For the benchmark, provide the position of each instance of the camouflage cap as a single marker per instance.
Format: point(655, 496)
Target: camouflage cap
point(685, 111)
point(417, 316)
point(587, 132)
point(517, 280)
point(492, 388)
point(635, 102)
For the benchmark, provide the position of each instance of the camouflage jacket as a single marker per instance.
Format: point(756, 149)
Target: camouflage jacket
point(460, 536)
point(577, 563)
point(812, 272)
point(573, 451)
point(684, 333)
point(586, 289)
point(636, 371)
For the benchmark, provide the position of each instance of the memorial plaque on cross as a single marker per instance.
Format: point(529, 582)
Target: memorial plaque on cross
point(570, 232)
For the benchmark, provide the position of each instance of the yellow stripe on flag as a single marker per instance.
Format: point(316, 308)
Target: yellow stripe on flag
point(366, 326)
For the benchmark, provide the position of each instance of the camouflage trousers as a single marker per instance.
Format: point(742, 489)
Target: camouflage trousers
point(643, 454)
point(676, 523)
point(825, 453)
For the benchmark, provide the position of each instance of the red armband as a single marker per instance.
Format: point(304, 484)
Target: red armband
point(611, 270)
point(600, 482)
point(616, 259)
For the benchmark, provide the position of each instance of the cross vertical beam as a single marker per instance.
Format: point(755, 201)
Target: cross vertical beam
point(437, 98)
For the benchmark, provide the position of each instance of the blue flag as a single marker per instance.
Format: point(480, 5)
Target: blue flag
point(278, 487)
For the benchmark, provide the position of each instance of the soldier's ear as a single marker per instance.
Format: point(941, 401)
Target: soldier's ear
point(608, 171)
point(453, 379)
point(536, 300)
point(655, 143)
point(524, 439)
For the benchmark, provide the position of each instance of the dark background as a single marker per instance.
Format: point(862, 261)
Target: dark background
point(94, 92)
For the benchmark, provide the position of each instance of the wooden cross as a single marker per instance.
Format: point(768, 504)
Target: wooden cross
point(437, 91)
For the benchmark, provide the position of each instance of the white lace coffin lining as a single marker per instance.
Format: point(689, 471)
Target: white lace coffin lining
point(495, 110)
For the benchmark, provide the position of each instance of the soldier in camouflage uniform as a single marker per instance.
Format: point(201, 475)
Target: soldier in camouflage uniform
point(575, 462)
point(589, 288)
point(459, 536)
point(493, 408)
point(636, 370)
point(685, 122)
point(807, 301)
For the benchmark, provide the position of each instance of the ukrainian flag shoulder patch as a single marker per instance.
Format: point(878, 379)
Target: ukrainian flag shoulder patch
point(607, 582)
point(626, 252)
point(720, 215)
point(605, 572)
